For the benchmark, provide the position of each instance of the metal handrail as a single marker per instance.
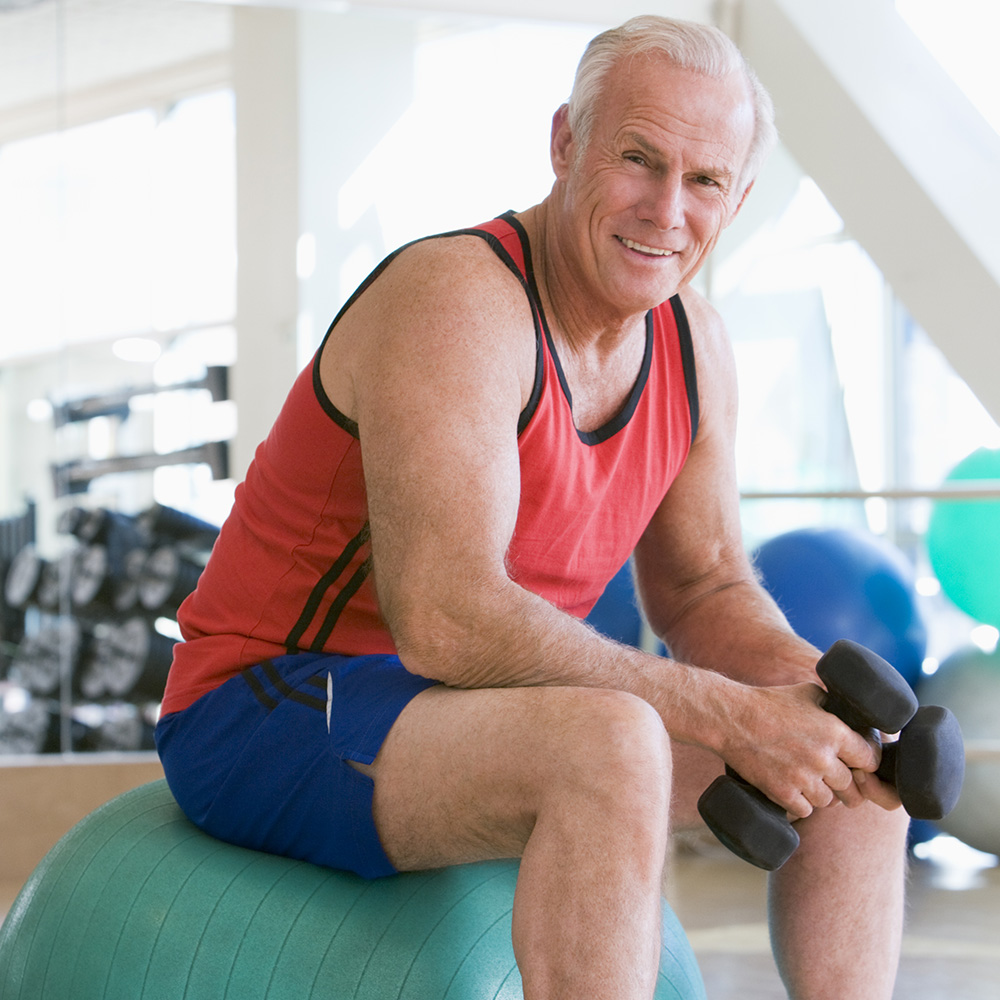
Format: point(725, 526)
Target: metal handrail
point(970, 489)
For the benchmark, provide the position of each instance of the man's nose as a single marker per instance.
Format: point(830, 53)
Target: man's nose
point(665, 203)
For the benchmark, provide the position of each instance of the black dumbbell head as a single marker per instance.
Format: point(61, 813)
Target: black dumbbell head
point(747, 822)
point(929, 763)
point(865, 690)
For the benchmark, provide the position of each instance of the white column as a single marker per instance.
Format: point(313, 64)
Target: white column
point(315, 93)
point(901, 154)
point(265, 82)
point(356, 80)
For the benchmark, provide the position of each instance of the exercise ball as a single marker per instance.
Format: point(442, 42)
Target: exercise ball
point(617, 616)
point(968, 682)
point(616, 613)
point(963, 541)
point(135, 903)
point(835, 583)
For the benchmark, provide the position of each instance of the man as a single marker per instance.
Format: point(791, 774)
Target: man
point(494, 422)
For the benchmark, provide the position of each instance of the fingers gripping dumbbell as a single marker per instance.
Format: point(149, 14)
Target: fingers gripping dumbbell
point(862, 690)
point(926, 764)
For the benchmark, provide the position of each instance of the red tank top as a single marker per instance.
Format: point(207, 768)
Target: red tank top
point(291, 570)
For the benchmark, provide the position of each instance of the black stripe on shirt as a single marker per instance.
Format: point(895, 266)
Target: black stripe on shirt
point(323, 585)
point(340, 602)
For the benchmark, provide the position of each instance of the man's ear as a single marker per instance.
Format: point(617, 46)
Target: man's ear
point(561, 143)
point(739, 204)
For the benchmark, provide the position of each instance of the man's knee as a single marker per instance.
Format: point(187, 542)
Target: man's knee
point(866, 833)
point(614, 744)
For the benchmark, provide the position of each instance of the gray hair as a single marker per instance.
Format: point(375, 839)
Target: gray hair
point(689, 45)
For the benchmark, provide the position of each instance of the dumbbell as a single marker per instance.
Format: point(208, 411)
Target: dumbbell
point(93, 582)
point(49, 652)
point(23, 577)
point(100, 525)
point(126, 595)
point(926, 764)
point(128, 660)
point(168, 524)
point(30, 728)
point(33, 580)
point(115, 727)
point(166, 579)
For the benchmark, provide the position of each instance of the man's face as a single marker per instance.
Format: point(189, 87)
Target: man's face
point(657, 182)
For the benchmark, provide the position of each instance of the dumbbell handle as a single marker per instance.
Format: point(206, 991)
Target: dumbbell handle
point(926, 765)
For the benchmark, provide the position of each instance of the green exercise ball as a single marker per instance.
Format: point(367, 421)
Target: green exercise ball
point(963, 541)
point(135, 903)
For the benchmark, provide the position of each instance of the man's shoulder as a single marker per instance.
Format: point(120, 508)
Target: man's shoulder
point(461, 267)
point(713, 352)
point(703, 318)
point(447, 298)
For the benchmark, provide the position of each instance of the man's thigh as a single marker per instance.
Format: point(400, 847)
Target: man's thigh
point(263, 760)
point(462, 773)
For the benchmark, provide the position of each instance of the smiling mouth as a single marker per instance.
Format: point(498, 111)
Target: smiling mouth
point(642, 248)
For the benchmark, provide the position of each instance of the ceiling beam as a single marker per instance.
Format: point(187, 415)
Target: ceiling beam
point(578, 11)
point(902, 155)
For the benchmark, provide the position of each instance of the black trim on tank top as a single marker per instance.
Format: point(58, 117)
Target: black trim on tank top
point(625, 414)
point(351, 426)
point(688, 362)
point(616, 423)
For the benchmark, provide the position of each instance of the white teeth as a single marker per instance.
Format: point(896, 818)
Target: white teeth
point(632, 245)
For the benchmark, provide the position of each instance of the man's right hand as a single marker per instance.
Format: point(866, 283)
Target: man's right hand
point(801, 757)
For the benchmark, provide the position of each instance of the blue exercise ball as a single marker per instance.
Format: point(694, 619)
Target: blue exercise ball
point(136, 903)
point(835, 583)
point(616, 613)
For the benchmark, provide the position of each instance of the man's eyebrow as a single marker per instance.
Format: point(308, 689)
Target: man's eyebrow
point(718, 172)
point(643, 142)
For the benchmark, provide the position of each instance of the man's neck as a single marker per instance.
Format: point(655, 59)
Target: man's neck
point(576, 321)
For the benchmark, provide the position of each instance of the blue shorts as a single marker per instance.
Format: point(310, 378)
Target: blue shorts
point(261, 761)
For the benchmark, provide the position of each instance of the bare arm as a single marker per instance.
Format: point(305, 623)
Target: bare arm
point(435, 377)
point(698, 588)
point(691, 566)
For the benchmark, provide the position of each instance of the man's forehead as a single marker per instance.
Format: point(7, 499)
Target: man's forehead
point(646, 97)
point(646, 77)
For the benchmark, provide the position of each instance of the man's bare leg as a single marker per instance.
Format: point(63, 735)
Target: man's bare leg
point(574, 781)
point(836, 906)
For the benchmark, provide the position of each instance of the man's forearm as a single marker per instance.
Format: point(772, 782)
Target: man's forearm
point(513, 638)
point(739, 631)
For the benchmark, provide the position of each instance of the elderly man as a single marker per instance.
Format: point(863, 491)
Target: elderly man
point(386, 667)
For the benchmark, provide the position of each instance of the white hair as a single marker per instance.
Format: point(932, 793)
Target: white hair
point(700, 48)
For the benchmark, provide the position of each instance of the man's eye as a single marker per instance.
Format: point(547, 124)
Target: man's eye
point(636, 158)
point(707, 181)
